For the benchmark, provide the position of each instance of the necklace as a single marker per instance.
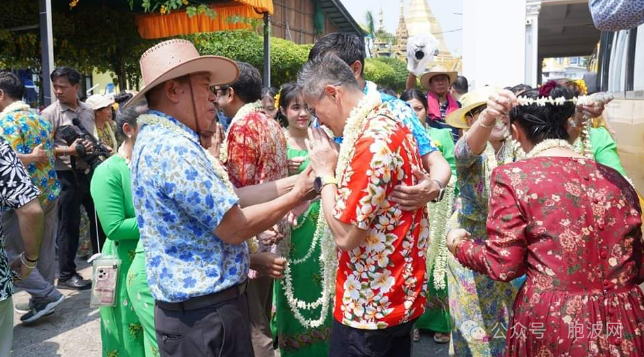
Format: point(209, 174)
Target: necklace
point(547, 145)
point(121, 152)
point(328, 263)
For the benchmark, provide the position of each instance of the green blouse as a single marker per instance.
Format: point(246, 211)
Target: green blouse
point(605, 149)
point(112, 196)
point(442, 139)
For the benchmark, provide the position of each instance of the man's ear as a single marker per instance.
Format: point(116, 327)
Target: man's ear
point(230, 94)
point(331, 91)
point(356, 68)
point(172, 90)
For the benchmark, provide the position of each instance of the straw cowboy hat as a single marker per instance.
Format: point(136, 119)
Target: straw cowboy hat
point(98, 101)
point(177, 58)
point(470, 101)
point(435, 71)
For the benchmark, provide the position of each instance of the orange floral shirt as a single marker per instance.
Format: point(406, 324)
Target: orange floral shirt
point(381, 283)
point(257, 154)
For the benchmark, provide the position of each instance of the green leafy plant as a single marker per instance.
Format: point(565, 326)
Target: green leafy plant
point(387, 72)
point(244, 45)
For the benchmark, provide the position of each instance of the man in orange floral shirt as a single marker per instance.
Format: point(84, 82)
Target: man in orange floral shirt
point(380, 285)
point(254, 153)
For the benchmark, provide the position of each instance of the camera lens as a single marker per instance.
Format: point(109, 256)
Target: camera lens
point(419, 55)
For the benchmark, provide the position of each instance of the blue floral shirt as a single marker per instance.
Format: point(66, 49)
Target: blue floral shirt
point(179, 201)
point(24, 130)
point(404, 112)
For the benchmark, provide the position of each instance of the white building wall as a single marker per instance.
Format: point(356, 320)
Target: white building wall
point(494, 36)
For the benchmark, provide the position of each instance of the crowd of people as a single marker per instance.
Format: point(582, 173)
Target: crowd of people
point(327, 217)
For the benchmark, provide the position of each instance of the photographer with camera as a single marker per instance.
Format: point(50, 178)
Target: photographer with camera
point(69, 115)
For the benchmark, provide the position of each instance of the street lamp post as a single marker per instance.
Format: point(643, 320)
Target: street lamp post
point(47, 49)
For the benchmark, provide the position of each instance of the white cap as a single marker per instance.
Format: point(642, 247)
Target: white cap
point(98, 101)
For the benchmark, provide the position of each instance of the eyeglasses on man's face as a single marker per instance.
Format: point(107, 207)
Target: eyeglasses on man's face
point(219, 89)
point(311, 109)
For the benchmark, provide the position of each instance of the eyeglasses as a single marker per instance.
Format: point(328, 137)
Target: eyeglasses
point(311, 110)
point(216, 89)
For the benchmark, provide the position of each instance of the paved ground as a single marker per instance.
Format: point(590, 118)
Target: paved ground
point(74, 329)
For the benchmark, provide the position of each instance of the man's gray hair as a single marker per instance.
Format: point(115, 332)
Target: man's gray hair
point(315, 75)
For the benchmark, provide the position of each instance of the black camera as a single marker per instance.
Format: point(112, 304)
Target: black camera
point(70, 133)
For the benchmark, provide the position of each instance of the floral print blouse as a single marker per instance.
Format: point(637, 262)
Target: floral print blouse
point(382, 282)
point(574, 226)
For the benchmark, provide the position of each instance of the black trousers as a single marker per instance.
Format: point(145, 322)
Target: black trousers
point(390, 342)
point(221, 330)
point(74, 193)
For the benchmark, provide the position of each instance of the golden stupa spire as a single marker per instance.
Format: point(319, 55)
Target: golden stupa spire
point(421, 20)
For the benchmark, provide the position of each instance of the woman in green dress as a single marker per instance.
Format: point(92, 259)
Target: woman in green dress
point(436, 317)
point(127, 329)
point(293, 338)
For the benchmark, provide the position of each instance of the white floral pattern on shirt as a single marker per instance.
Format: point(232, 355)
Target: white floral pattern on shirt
point(381, 283)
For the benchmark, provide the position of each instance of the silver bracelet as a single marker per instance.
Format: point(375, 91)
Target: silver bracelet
point(22, 260)
point(485, 125)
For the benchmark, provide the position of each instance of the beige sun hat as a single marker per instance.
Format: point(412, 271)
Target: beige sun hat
point(469, 101)
point(98, 101)
point(176, 58)
point(435, 71)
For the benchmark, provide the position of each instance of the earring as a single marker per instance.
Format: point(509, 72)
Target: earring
point(129, 136)
point(572, 123)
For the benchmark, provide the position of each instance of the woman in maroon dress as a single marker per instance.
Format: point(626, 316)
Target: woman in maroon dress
point(574, 227)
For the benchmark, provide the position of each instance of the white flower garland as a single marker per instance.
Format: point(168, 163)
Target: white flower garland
point(314, 242)
point(245, 110)
point(547, 145)
point(543, 101)
point(437, 254)
point(582, 145)
point(328, 262)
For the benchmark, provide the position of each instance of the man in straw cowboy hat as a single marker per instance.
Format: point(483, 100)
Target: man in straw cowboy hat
point(193, 223)
point(439, 101)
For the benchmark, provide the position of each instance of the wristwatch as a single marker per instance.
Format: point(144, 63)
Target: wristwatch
point(320, 182)
point(441, 192)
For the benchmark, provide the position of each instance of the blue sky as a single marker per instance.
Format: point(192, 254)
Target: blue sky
point(444, 11)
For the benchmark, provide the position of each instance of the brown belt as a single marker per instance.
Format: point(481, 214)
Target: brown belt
point(206, 300)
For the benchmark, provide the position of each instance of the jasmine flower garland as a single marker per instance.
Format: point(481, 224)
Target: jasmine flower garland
point(439, 214)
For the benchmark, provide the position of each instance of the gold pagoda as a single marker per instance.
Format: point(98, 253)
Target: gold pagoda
point(419, 20)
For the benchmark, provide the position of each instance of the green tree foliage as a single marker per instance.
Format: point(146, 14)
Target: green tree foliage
point(387, 72)
point(87, 37)
point(286, 57)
